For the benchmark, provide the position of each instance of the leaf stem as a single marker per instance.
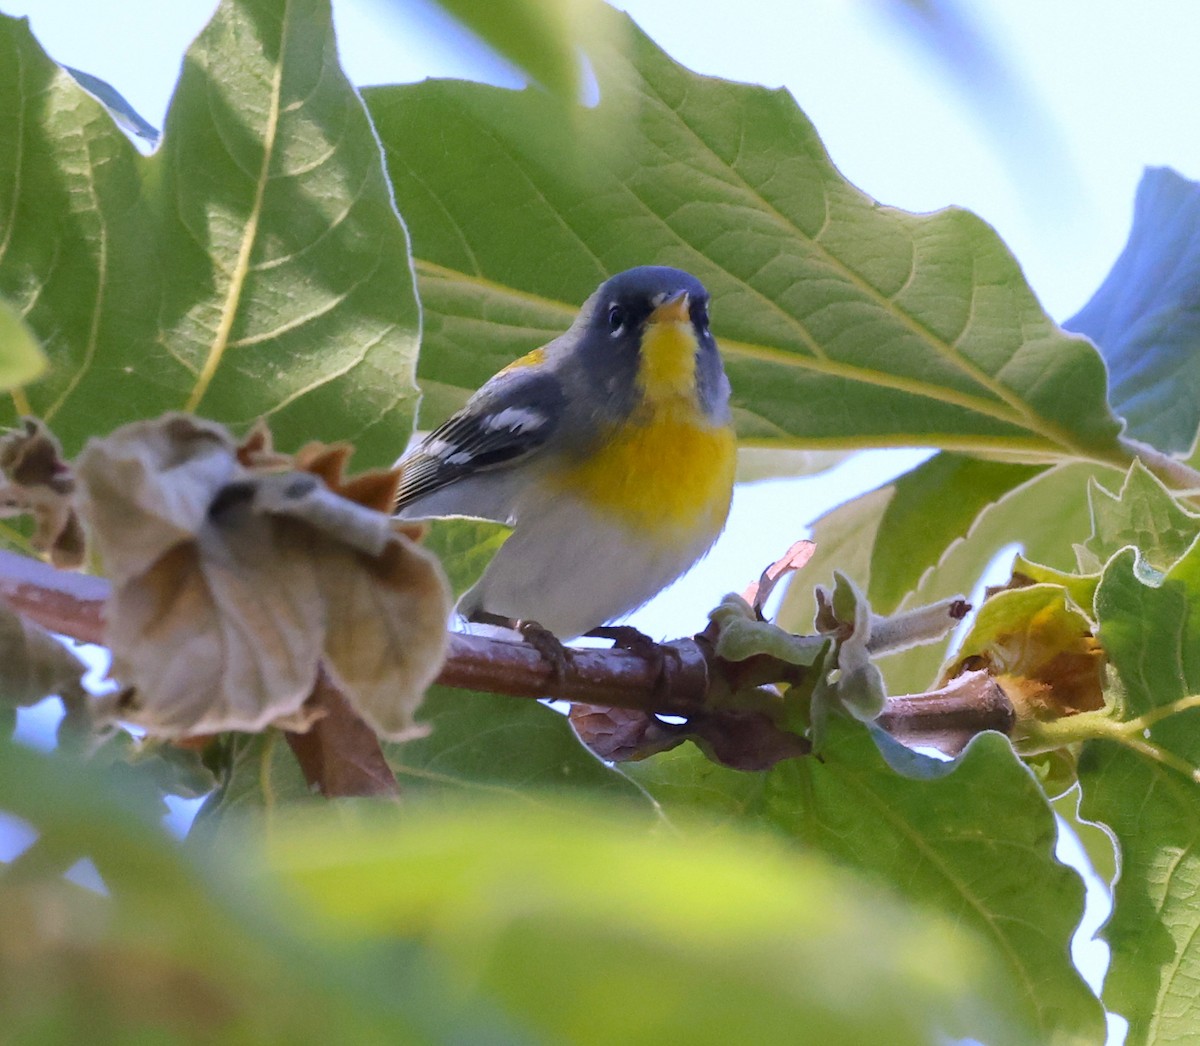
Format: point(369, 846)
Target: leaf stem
point(1174, 473)
point(1036, 736)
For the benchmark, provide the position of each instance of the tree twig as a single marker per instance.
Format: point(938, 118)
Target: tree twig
point(680, 679)
point(339, 754)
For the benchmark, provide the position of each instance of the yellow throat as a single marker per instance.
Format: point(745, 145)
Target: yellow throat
point(668, 471)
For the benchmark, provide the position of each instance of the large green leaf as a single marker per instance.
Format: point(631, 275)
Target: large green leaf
point(254, 265)
point(587, 928)
point(1151, 798)
point(1144, 316)
point(976, 845)
point(843, 322)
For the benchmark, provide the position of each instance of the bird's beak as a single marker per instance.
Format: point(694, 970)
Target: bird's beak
point(673, 310)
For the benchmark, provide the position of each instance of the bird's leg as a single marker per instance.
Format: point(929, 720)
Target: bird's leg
point(548, 645)
point(626, 637)
point(540, 638)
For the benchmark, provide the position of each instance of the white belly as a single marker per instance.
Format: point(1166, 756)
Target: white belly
point(571, 570)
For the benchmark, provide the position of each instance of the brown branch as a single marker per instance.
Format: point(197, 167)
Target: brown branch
point(339, 753)
point(948, 718)
point(67, 603)
point(682, 678)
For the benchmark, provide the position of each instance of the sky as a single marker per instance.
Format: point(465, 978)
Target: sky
point(1044, 131)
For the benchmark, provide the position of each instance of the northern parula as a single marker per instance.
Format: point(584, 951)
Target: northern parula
point(610, 451)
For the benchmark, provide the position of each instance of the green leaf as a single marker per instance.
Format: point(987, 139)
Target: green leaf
point(254, 265)
point(1080, 587)
point(540, 37)
point(464, 547)
point(934, 506)
point(976, 845)
point(1144, 317)
point(21, 357)
point(486, 743)
point(587, 928)
point(1149, 796)
point(258, 778)
point(1143, 514)
point(843, 323)
point(1019, 627)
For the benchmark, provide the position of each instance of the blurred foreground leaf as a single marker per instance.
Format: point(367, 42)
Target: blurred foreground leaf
point(542, 38)
point(976, 845)
point(588, 929)
point(184, 946)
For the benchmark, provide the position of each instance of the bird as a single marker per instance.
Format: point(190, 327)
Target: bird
point(610, 452)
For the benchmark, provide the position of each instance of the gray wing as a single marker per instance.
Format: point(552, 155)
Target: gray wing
point(503, 423)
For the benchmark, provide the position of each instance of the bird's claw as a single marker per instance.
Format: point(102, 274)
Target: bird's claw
point(626, 637)
point(549, 646)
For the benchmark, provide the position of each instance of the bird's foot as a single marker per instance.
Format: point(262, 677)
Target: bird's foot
point(626, 637)
point(537, 636)
point(548, 645)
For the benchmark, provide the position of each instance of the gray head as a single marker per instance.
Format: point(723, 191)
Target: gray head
point(615, 320)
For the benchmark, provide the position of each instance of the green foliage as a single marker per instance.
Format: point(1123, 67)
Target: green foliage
point(1142, 515)
point(480, 743)
point(976, 845)
point(187, 947)
point(820, 297)
point(782, 951)
point(255, 265)
point(21, 357)
point(1144, 788)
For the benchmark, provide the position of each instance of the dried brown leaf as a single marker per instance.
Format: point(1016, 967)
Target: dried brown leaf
point(758, 592)
point(33, 663)
point(622, 735)
point(38, 482)
point(233, 580)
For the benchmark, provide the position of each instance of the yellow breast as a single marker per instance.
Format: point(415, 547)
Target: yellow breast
point(667, 472)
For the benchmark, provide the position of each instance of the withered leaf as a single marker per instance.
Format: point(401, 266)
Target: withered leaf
point(233, 583)
point(1039, 648)
point(33, 663)
point(621, 735)
point(38, 482)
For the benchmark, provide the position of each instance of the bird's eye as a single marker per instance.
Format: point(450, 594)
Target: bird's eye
point(616, 319)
